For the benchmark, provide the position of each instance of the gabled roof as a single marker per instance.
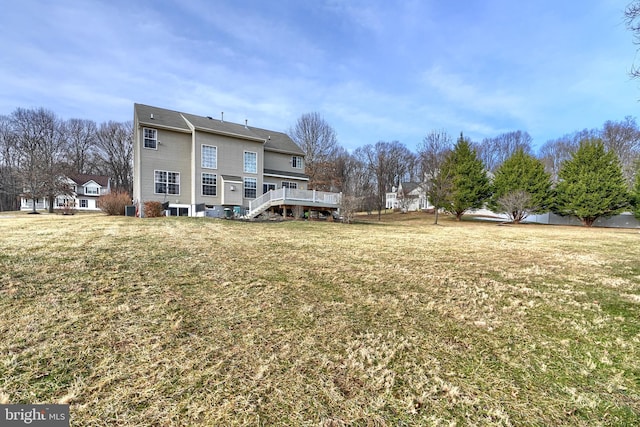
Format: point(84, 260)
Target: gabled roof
point(408, 187)
point(278, 141)
point(163, 118)
point(82, 179)
point(209, 124)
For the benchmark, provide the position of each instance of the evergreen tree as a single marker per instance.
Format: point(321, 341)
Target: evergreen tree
point(470, 185)
point(591, 184)
point(520, 187)
point(636, 195)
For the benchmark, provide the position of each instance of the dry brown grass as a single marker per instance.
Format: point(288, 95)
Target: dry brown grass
point(179, 321)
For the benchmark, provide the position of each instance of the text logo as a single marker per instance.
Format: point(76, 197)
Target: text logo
point(34, 415)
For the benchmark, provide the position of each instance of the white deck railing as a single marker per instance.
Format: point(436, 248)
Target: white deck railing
point(282, 195)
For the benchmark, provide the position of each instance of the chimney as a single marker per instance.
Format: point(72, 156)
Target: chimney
point(222, 116)
point(246, 121)
point(152, 115)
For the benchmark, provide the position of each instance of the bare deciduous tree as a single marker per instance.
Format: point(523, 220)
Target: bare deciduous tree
point(432, 153)
point(39, 146)
point(554, 152)
point(319, 142)
point(494, 151)
point(10, 188)
point(632, 18)
point(80, 136)
point(440, 190)
point(516, 204)
point(349, 207)
point(623, 138)
point(387, 163)
point(114, 154)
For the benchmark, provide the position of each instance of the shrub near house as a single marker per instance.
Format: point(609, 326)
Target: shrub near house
point(114, 203)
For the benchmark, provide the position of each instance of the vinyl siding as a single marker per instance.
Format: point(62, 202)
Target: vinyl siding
point(173, 155)
point(280, 161)
point(230, 162)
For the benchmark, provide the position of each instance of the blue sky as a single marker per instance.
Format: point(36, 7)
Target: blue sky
point(375, 70)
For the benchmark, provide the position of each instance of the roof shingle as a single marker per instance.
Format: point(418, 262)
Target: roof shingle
point(273, 140)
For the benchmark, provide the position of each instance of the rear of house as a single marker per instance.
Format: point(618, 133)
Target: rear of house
point(193, 162)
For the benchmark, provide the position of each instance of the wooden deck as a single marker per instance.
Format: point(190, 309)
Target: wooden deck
point(284, 198)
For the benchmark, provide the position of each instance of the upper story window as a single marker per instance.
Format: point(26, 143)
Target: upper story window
point(92, 190)
point(250, 162)
point(296, 162)
point(209, 157)
point(166, 182)
point(150, 138)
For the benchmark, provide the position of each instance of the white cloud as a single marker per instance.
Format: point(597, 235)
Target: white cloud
point(376, 71)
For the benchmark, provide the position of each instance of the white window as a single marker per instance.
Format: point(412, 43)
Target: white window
point(91, 190)
point(296, 162)
point(209, 157)
point(84, 203)
point(209, 184)
point(250, 186)
point(289, 184)
point(250, 162)
point(167, 182)
point(150, 138)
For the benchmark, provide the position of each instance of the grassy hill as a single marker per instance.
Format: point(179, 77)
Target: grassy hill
point(182, 321)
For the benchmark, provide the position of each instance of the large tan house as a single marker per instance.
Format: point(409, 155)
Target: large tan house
point(195, 163)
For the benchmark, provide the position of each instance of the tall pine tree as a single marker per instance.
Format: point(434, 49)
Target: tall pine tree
point(470, 185)
point(636, 195)
point(521, 187)
point(591, 184)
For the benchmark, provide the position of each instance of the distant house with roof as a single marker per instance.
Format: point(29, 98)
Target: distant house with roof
point(81, 194)
point(194, 163)
point(408, 196)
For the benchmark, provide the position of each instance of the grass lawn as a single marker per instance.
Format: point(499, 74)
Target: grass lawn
point(183, 321)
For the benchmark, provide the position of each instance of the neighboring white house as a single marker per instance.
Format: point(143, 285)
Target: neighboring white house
point(82, 195)
point(409, 196)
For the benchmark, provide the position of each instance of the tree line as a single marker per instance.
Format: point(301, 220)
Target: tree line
point(38, 149)
point(588, 174)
